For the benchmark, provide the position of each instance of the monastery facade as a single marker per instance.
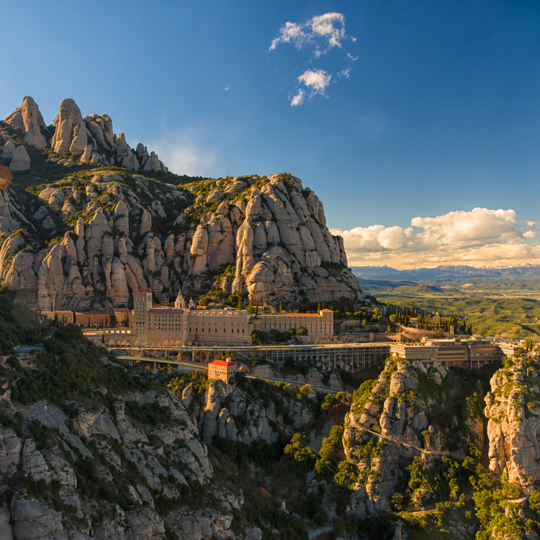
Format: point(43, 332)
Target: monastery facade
point(179, 325)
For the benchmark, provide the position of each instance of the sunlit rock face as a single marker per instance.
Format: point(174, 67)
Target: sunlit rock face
point(106, 233)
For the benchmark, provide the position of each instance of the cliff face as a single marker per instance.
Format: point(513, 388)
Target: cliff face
point(97, 233)
point(233, 417)
point(106, 456)
point(513, 410)
point(408, 411)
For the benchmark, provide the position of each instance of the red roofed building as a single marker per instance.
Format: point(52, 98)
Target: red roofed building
point(222, 370)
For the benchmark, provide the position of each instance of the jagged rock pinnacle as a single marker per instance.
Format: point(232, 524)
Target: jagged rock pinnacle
point(70, 129)
point(28, 119)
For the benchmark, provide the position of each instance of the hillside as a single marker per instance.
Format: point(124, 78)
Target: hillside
point(88, 220)
point(509, 317)
point(91, 449)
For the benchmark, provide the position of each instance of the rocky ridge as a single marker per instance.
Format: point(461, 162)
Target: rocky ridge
point(90, 139)
point(395, 418)
point(102, 233)
point(161, 470)
point(112, 464)
point(513, 410)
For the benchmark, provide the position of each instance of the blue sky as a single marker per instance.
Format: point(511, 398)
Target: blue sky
point(439, 113)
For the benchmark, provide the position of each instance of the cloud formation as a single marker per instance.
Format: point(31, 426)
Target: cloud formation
point(315, 81)
point(320, 33)
point(479, 237)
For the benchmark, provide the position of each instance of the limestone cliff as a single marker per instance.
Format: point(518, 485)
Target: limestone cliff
point(408, 411)
point(97, 233)
point(104, 466)
point(513, 410)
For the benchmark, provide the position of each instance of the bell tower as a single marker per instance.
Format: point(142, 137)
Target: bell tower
point(180, 302)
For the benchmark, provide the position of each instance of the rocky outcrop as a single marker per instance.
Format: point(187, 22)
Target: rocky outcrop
point(124, 232)
point(115, 248)
point(20, 160)
point(513, 430)
point(243, 421)
point(33, 520)
point(70, 129)
point(392, 421)
point(28, 119)
point(122, 457)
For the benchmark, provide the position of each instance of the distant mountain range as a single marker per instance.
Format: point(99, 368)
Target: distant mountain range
point(446, 272)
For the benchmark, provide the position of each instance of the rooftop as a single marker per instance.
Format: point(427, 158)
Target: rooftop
point(225, 363)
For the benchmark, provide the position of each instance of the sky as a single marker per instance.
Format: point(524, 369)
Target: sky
point(416, 123)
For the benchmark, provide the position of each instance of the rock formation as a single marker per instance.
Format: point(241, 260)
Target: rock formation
point(242, 421)
point(267, 234)
point(165, 469)
point(513, 410)
point(28, 119)
point(392, 421)
point(70, 130)
point(20, 161)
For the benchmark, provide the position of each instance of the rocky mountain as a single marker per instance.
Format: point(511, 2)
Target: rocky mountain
point(87, 220)
point(397, 417)
point(90, 449)
point(122, 460)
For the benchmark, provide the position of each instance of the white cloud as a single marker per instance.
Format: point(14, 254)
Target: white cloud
point(481, 236)
point(316, 81)
point(287, 33)
point(185, 153)
point(227, 88)
point(330, 26)
point(298, 99)
point(322, 31)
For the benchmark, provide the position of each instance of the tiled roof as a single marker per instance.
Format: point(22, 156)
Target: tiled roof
point(222, 363)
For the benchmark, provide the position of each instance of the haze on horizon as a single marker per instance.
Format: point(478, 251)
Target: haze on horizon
point(416, 125)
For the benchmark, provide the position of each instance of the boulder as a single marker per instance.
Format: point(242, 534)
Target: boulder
point(33, 520)
point(20, 160)
point(8, 150)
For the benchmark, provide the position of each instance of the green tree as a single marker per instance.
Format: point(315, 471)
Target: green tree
point(299, 450)
point(331, 451)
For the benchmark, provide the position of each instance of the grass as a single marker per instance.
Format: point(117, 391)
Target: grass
point(506, 317)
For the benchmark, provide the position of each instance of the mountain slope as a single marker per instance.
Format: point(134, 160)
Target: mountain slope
point(90, 220)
